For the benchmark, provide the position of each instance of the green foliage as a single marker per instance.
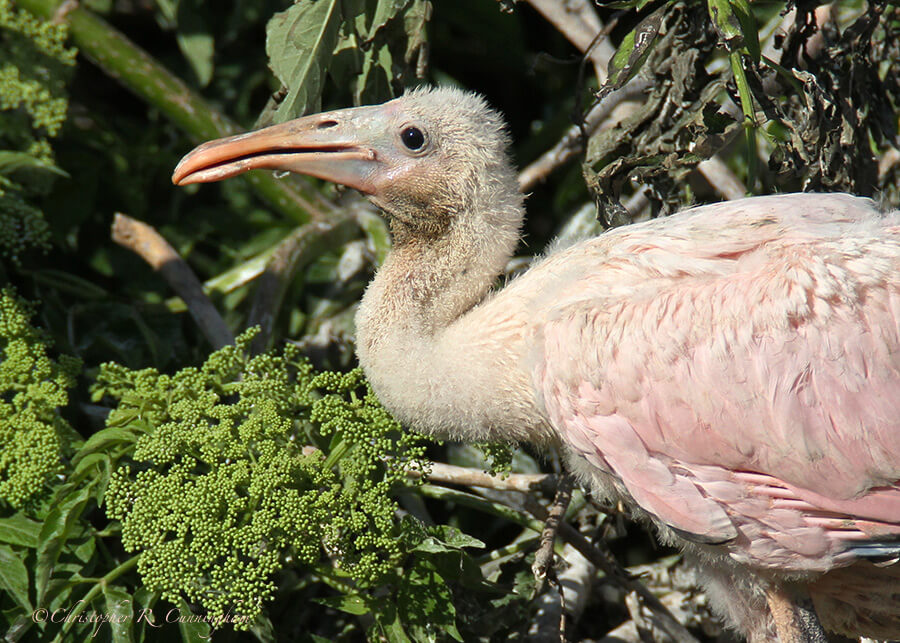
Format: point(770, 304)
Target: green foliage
point(359, 43)
point(735, 25)
point(498, 456)
point(257, 484)
point(33, 435)
point(33, 72)
point(245, 461)
point(820, 128)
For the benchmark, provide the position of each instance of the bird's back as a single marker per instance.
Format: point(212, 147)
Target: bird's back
point(735, 370)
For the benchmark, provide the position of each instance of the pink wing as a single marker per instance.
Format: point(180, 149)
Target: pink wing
point(737, 371)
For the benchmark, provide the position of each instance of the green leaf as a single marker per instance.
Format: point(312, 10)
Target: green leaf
point(13, 161)
point(144, 618)
point(632, 52)
point(425, 602)
point(192, 632)
point(19, 627)
point(20, 530)
point(378, 237)
point(637, 5)
point(119, 610)
point(58, 593)
point(14, 577)
point(90, 461)
point(350, 603)
point(388, 620)
point(57, 528)
point(735, 24)
point(750, 126)
point(102, 440)
point(374, 83)
point(85, 550)
point(300, 42)
point(385, 11)
point(443, 538)
point(415, 22)
point(194, 39)
point(68, 282)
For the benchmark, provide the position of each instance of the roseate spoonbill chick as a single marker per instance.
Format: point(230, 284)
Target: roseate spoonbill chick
point(731, 373)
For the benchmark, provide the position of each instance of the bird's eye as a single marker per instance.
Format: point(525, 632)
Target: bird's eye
point(413, 138)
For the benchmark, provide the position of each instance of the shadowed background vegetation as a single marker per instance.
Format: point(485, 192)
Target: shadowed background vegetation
point(254, 487)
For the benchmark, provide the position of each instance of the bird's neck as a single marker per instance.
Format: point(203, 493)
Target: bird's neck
point(429, 280)
point(431, 359)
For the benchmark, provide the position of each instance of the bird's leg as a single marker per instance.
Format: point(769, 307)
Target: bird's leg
point(794, 616)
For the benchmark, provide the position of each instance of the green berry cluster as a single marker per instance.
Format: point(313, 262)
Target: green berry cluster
point(32, 388)
point(247, 463)
point(34, 68)
point(30, 75)
point(499, 455)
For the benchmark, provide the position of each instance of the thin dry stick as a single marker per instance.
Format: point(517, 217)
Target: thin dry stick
point(579, 23)
point(542, 568)
point(526, 483)
point(722, 179)
point(643, 626)
point(598, 558)
point(464, 476)
point(628, 631)
point(572, 142)
point(667, 622)
point(543, 559)
point(145, 241)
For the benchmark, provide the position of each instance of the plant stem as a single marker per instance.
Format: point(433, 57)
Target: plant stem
point(481, 504)
point(337, 453)
point(523, 543)
point(128, 565)
point(746, 96)
point(144, 240)
point(139, 72)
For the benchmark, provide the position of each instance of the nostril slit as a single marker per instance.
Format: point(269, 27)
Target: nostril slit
point(327, 124)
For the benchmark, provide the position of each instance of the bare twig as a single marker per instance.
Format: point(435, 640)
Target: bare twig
point(550, 619)
point(887, 162)
point(579, 23)
point(548, 624)
point(575, 583)
point(605, 563)
point(628, 631)
point(526, 483)
point(543, 559)
point(296, 250)
point(638, 204)
point(63, 10)
point(465, 476)
point(641, 623)
point(451, 474)
point(144, 240)
point(572, 142)
point(479, 503)
point(667, 622)
point(722, 179)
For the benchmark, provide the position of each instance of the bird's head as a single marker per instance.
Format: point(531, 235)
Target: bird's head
point(423, 158)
